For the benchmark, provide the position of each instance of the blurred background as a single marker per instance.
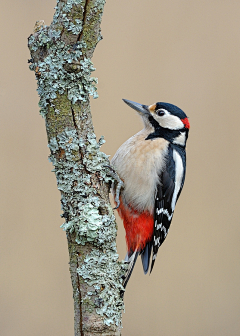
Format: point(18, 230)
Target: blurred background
point(182, 52)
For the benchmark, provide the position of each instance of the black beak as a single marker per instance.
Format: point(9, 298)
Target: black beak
point(141, 109)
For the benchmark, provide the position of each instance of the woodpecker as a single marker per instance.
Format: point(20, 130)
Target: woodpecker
point(152, 166)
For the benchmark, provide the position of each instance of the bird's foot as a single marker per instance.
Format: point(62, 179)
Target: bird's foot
point(120, 184)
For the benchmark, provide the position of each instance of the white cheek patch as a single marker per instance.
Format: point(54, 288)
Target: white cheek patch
point(169, 121)
point(181, 139)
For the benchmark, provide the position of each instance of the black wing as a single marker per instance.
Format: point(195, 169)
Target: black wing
point(163, 210)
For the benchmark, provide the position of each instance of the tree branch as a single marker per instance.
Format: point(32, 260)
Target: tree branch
point(61, 58)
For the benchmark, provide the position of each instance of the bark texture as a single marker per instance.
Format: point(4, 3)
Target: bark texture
point(61, 59)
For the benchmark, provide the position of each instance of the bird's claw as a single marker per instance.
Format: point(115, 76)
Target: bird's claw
point(117, 192)
point(120, 184)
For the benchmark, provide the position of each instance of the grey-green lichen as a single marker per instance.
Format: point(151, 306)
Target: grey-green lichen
point(102, 268)
point(80, 204)
point(80, 200)
point(55, 76)
point(61, 60)
point(64, 67)
point(73, 25)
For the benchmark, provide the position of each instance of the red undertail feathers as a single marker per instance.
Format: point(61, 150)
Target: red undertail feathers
point(138, 227)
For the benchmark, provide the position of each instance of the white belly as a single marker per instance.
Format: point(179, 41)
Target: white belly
point(139, 163)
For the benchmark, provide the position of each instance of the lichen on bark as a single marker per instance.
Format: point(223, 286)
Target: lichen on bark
point(61, 58)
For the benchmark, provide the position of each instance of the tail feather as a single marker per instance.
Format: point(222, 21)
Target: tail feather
point(145, 255)
point(132, 260)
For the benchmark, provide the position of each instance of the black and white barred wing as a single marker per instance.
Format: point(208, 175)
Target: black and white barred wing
point(168, 191)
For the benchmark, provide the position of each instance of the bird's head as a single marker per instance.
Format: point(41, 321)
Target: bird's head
point(163, 120)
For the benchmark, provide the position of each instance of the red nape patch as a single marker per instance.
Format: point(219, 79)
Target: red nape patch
point(138, 227)
point(186, 123)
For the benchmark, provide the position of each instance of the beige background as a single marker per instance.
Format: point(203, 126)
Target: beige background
point(183, 52)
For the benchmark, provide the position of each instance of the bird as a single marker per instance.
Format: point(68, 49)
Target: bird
point(151, 166)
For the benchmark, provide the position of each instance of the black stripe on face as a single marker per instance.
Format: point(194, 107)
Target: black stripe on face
point(161, 132)
point(153, 122)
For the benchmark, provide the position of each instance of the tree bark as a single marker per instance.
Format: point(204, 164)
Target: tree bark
point(61, 58)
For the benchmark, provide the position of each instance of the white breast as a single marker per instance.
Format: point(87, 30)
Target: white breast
point(139, 162)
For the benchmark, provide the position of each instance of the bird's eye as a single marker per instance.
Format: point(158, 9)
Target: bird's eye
point(160, 113)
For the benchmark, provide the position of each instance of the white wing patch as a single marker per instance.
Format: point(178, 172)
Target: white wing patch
point(178, 176)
